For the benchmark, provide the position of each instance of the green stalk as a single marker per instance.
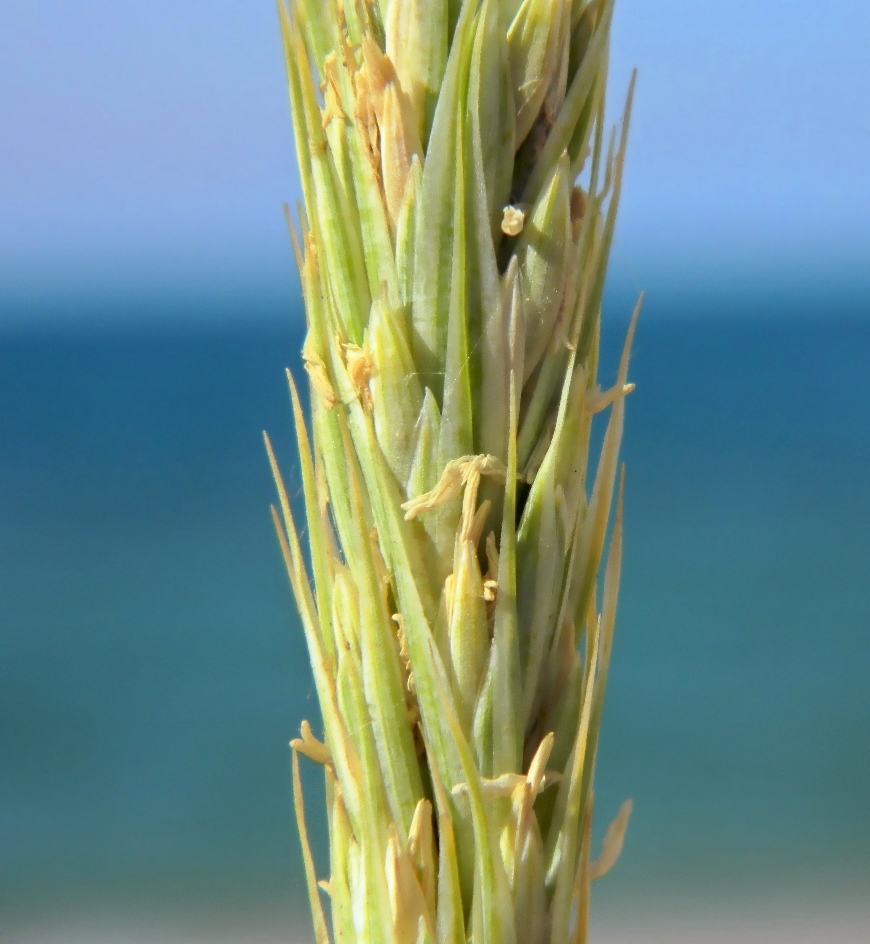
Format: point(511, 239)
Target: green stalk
point(453, 270)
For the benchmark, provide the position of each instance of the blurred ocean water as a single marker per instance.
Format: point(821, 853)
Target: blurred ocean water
point(152, 669)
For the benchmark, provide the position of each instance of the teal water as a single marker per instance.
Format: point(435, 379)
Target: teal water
point(152, 670)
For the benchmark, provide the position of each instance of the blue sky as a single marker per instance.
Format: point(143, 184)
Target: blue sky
point(145, 151)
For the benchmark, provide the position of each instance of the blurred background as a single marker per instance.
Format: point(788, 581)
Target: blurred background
point(151, 667)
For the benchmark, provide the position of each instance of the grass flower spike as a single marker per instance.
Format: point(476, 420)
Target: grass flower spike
point(458, 596)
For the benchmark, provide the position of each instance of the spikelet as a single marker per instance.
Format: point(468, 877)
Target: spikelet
point(460, 202)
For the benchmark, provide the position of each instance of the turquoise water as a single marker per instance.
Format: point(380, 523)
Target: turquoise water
point(152, 670)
